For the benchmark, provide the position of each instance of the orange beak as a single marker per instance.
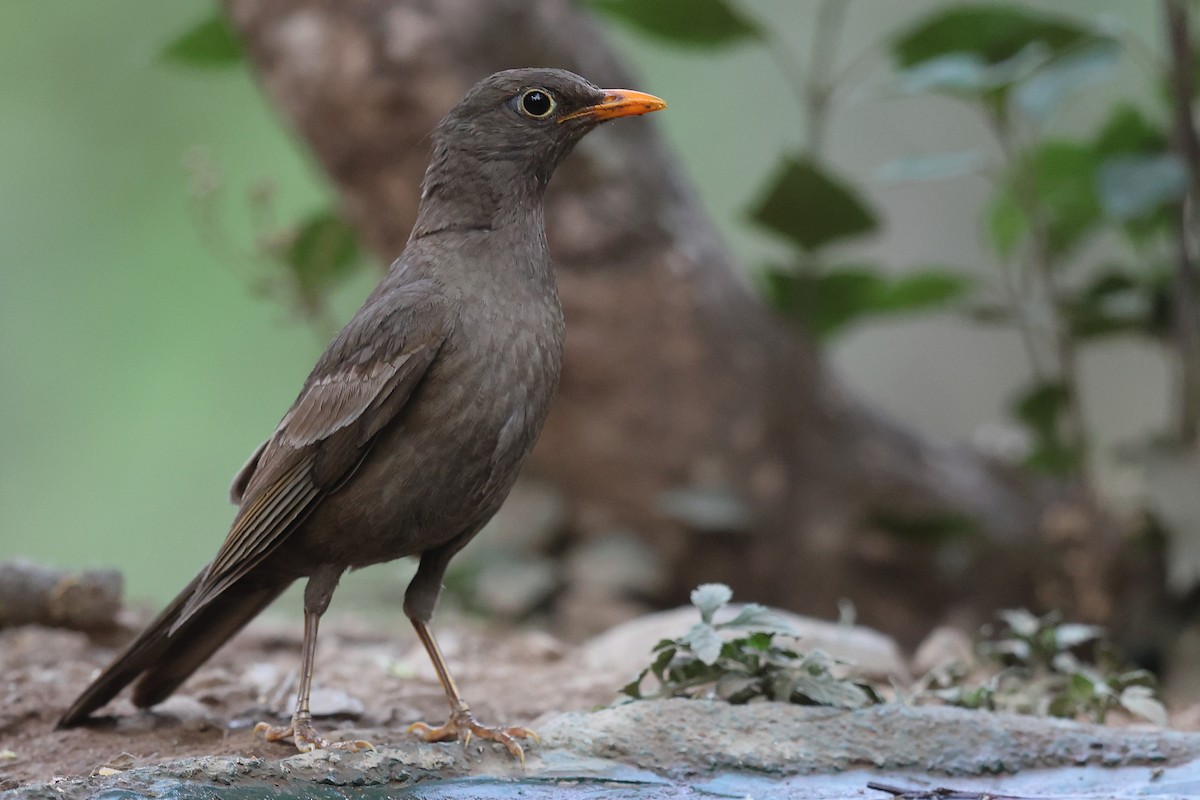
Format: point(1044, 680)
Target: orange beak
point(618, 103)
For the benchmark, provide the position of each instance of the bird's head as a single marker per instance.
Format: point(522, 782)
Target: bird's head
point(535, 115)
point(514, 128)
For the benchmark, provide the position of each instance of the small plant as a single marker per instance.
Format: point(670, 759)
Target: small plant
point(713, 661)
point(1035, 665)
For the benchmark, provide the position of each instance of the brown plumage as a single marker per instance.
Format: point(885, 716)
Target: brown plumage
point(411, 428)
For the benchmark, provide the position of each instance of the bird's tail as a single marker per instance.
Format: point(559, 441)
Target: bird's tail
point(163, 659)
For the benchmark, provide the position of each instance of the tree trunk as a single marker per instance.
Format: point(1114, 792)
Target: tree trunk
point(687, 412)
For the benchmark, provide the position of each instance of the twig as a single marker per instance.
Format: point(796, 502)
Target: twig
point(942, 793)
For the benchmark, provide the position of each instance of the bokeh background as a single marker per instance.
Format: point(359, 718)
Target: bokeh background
point(138, 368)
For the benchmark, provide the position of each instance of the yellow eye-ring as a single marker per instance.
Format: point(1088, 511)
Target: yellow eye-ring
point(537, 103)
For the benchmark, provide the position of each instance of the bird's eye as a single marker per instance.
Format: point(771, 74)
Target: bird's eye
point(537, 103)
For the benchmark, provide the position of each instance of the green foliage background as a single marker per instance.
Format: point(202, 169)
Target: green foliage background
point(137, 371)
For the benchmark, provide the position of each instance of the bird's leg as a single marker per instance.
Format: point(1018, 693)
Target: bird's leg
point(301, 731)
point(462, 724)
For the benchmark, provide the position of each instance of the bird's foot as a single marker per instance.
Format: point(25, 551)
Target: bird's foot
point(463, 725)
point(305, 737)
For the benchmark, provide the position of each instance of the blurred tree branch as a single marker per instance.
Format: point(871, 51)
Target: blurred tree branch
point(1181, 76)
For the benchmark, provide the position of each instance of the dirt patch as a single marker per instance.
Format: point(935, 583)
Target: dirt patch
point(369, 682)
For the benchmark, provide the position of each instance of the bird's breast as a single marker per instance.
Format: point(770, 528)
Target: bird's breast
point(449, 459)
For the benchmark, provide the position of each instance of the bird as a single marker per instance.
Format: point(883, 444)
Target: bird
point(410, 430)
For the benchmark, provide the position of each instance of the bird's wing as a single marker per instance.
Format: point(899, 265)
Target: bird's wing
point(363, 379)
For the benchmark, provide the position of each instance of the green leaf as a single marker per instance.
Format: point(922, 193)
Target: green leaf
point(1136, 186)
point(840, 297)
point(828, 303)
point(969, 74)
point(1020, 621)
point(634, 687)
point(1069, 635)
point(1081, 687)
point(760, 641)
point(1140, 700)
point(324, 251)
point(1040, 407)
point(755, 617)
point(710, 597)
point(1063, 178)
point(825, 304)
point(1114, 302)
point(823, 689)
point(992, 32)
point(697, 23)
point(658, 667)
point(922, 290)
point(1006, 222)
point(811, 207)
point(704, 642)
point(1054, 457)
point(1041, 94)
point(1127, 132)
point(210, 44)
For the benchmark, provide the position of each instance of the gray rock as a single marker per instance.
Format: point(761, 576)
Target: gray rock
point(513, 588)
point(616, 564)
point(624, 650)
point(693, 736)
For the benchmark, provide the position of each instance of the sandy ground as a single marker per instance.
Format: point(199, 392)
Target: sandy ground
point(369, 682)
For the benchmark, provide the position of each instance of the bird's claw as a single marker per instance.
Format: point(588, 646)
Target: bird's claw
point(305, 737)
point(462, 725)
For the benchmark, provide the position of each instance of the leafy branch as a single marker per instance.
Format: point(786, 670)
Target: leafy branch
point(1027, 664)
point(1054, 196)
point(1035, 665)
point(804, 202)
point(740, 659)
point(299, 262)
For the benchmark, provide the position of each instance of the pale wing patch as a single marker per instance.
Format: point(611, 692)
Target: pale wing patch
point(332, 402)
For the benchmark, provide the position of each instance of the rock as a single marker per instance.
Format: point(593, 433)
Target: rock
point(681, 736)
point(624, 650)
point(179, 708)
point(513, 588)
point(263, 679)
point(187, 709)
point(617, 564)
point(943, 647)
